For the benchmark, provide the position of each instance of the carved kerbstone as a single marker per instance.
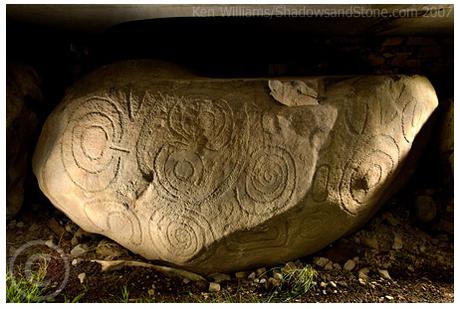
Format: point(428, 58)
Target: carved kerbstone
point(218, 175)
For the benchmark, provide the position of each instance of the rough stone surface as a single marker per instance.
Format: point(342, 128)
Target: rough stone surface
point(446, 138)
point(321, 261)
point(425, 208)
point(218, 175)
point(22, 95)
point(349, 265)
point(79, 250)
point(214, 287)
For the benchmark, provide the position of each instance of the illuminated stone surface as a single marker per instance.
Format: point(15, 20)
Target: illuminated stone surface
point(218, 175)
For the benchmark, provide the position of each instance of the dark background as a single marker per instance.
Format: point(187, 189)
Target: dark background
point(236, 47)
point(245, 47)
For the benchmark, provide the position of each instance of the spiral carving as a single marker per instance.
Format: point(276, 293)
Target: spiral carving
point(114, 218)
point(179, 237)
point(367, 172)
point(90, 149)
point(270, 180)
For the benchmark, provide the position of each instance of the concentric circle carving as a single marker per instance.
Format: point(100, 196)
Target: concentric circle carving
point(195, 153)
point(115, 219)
point(367, 173)
point(90, 145)
point(179, 237)
point(180, 171)
point(210, 120)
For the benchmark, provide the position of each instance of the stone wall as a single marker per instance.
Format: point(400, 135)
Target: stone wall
point(431, 56)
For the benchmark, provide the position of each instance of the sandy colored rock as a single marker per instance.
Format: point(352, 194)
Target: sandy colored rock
point(349, 265)
point(218, 175)
point(214, 287)
point(23, 95)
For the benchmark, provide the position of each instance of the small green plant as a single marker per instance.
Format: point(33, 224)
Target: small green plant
point(124, 294)
point(299, 279)
point(125, 297)
point(76, 299)
point(295, 282)
point(26, 289)
point(239, 296)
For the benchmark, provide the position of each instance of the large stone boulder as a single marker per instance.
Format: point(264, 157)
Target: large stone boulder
point(217, 175)
point(23, 97)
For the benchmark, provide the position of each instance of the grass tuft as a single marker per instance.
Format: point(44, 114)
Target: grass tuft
point(299, 280)
point(124, 294)
point(295, 282)
point(125, 297)
point(26, 289)
point(76, 299)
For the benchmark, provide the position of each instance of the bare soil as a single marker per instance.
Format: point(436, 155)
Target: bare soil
point(419, 260)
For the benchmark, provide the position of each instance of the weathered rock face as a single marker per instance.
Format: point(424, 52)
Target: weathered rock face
point(218, 175)
point(446, 138)
point(22, 93)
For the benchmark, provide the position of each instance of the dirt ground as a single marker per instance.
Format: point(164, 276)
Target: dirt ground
point(394, 259)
